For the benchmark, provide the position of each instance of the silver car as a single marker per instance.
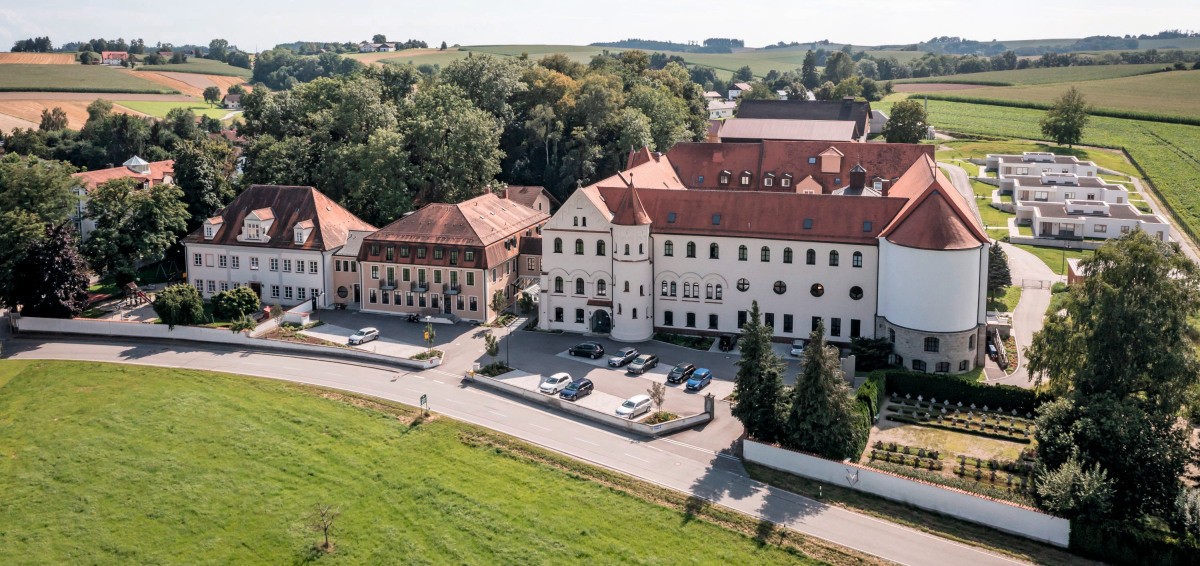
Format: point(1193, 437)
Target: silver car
point(634, 406)
point(363, 336)
point(551, 385)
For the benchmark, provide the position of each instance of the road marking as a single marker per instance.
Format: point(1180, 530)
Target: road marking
point(413, 390)
point(728, 456)
point(502, 415)
point(417, 376)
point(440, 381)
point(636, 458)
point(541, 427)
point(586, 442)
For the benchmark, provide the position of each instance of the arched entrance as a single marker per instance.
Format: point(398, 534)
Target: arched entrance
point(601, 322)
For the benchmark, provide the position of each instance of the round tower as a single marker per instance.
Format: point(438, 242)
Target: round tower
point(633, 273)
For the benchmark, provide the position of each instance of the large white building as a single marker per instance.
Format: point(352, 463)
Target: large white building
point(894, 255)
point(277, 240)
point(1037, 163)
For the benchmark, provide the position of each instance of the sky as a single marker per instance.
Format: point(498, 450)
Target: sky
point(256, 25)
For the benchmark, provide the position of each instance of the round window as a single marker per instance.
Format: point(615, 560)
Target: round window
point(780, 287)
point(856, 293)
point(817, 290)
point(342, 292)
point(743, 284)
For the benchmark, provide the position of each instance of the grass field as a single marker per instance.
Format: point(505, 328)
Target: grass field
point(37, 59)
point(1006, 302)
point(202, 67)
point(74, 78)
point(1160, 93)
point(441, 58)
point(116, 464)
point(1169, 154)
point(1045, 75)
point(160, 109)
point(1054, 258)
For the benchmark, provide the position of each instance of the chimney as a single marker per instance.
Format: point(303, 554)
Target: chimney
point(886, 185)
point(858, 177)
point(847, 100)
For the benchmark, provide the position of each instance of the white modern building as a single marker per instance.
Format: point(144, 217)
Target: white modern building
point(277, 240)
point(1062, 187)
point(1038, 162)
point(1080, 219)
point(640, 252)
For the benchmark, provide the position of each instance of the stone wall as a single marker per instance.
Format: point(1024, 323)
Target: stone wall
point(952, 347)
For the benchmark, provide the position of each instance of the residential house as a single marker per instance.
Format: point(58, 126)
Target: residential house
point(720, 109)
point(347, 278)
point(147, 175)
point(647, 251)
point(791, 166)
point(367, 47)
point(1062, 187)
point(878, 121)
point(845, 110)
point(1080, 219)
point(711, 95)
point(277, 240)
point(736, 89)
point(537, 198)
point(113, 57)
point(232, 102)
point(450, 259)
point(386, 47)
point(1036, 163)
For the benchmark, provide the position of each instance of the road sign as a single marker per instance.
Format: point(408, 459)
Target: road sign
point(424, 399)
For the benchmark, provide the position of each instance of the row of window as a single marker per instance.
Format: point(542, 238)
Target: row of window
point(714, 252)
point(286, 292)
point(712, 292)
point(422, 300)
point(835, 323)
point(940, 367)
point(406, 275)
point(439, 252)
point(345, 265)
point(235, 262)
point(932, 343)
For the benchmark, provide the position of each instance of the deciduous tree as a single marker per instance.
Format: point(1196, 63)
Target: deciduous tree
point(1065, 120)
point(202, 171)
point(212, 95)
point(235, 303)
point(53, 120)
point(179, 304)
point(132, 224)
point(34, 194)
point(907, 124)
point(50, 279)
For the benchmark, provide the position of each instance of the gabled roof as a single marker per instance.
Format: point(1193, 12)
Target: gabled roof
point(858, 112)
point(756, 129)
point(528, 195)
point(289, 206)
point(158, 171)
point(354, 240)
point(936, 216)
point(481, 221)
point(744, 87)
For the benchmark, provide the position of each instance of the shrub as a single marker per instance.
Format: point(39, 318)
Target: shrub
point(235, 303)
point(242, 323)
point(179, 304)
point(951, 388)
point(1058, 287)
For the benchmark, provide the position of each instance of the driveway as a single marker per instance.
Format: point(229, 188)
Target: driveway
point(386, 346)
point(962, 182)
point(1028, 272)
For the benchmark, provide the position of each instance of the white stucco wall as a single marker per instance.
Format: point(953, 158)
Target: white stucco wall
point(210, 270)
point(934, 291)
point(997, 514)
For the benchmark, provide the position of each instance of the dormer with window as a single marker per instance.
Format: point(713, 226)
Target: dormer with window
point(768, 179)
point(301, 231)
point(257, 225)
point(212, 226)
point(723, 177)
point(786, 180)
point(831, 160)
point(745, 178)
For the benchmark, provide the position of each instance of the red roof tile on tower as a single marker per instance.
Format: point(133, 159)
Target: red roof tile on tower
point(936, 216)
point(630, 211)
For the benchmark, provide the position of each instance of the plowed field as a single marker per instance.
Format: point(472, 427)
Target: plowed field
point(37, 59)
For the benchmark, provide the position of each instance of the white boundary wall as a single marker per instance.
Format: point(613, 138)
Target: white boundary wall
point(112, 328)
point(997, 514)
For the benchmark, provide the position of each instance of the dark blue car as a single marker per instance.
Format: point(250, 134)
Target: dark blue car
point(699, 379)
point(577, 389)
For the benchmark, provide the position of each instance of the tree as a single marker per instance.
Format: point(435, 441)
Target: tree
point(50, 278)
point(838, 67)
point(822, 417)
point(498, 302)
point(379, 38)
point(321, 519)
point(1073, 491)
point(212, 95)
point(743, 74)
point(658, 394)
point(488, 82)
point(851, 87)
point(238, 90)
point(430, 335)
point(998, 274)
point(179, 304)
point(808, 71)
point(759, 381)
point(53, 120)
point(202, 171)
point(443, 47)
point(907, 124)
point(454, 145)
point(218, 49)
point(825, 91)
point(871, 90)
point(491, 346)
point(870, 353)
point(1121, 357)
point(34, 194)
point(242, 324)
point(759, 91)
point(526, 303)
point(132, 224)
point(235, 303)
point(1065, 120)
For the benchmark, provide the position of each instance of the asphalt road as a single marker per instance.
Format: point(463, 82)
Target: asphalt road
point(671, 462)
point(1028, 272)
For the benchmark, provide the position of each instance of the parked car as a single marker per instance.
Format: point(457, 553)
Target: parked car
point(680, 373)
point(727, 342)
point(554, 383)
point(634, 406)
point(699, 380)
point(622, 357)
point(642, 363)
point(363, 336)
point(797, 348)
point(577, 390)
point(590, 349)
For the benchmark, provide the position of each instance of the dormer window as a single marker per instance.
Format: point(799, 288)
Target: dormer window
point(302, 230)
point(786, 181)
point(299, 236)
point(769, 180)
point(208, 232)
point(745, 179)
point(723, 178)
point(253, 231)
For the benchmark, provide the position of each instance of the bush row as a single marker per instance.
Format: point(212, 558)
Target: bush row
point(902, 449)
point(1022, 468)
point(1016, 483)
point(1109, 112)
point(912, 405)
point(950, 427)
point(912, 461)
point(951, 388)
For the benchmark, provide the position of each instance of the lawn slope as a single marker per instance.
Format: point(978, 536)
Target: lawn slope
point(116, 464)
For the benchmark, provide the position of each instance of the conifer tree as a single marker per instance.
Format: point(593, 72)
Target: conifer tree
point(822, 416)
point(759, 381)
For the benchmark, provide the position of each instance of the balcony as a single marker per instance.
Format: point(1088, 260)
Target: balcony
point(419, 286)
point(451, 289)
point(387, 285)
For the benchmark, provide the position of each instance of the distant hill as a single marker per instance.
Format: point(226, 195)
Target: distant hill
point(710, 45)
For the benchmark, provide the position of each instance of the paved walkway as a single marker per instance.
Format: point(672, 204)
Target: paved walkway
point(1028, 272)
point(669, 462)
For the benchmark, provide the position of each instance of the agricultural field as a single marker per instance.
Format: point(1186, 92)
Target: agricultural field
point(428, 57)
point(1041, 76)
point(1173, 93)
point(1168, 154)
point(191, 84)
point(159, 109)
point(37, 59)
point(75, 78)
point(379, 58)
point(28, 113)
point(128, 464)
point(200, 66)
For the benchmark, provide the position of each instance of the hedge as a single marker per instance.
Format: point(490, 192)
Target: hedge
point(955, 389)
point(1129, 545)
point(1109, 112)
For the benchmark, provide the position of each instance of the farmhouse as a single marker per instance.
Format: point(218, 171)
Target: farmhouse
point(232, 101)
point(848, 110)
point(147, 175)
point(277, 240)
point(710, 95)
point(736, 89)
point(450, 259)
point(649, 250)
point(718, 109)
point(737, 130)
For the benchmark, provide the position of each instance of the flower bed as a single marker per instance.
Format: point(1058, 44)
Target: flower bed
point(905, 460)
point(908, 450)
point(428, 354)
point(693, 342)
point(494, 369)
point(660, 417)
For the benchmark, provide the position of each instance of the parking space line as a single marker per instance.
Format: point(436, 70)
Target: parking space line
point(502, 415)
point(541, 427)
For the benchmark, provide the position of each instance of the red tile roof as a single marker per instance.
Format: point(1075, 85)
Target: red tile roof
point(630, 211)
point(289, 206)
point(527, 195)
point(480, 221)
point(158, 171)
point(936, 216)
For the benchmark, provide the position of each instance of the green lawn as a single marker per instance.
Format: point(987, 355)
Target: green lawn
point(160, 108)
point(982, 189)
point(997, 233)
point(441, 58)
point(116, 464)
point(201, 66)
point(1006, 302)
point(75, 78)
point(1055, 257)
point(992, 216)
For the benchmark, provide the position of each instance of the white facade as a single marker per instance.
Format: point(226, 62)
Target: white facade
point(1062, 187)
point(1088, 219)
point(718, 109)
point(279, 275)
point(917, 293)
point(878, 121)
point(1039, 162)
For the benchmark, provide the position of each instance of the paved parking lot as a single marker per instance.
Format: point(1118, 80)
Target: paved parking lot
point(386, 346)
point(597, 400)
point(618, 378)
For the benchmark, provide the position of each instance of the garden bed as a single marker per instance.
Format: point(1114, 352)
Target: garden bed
point(660, 417)
point(494, 369)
